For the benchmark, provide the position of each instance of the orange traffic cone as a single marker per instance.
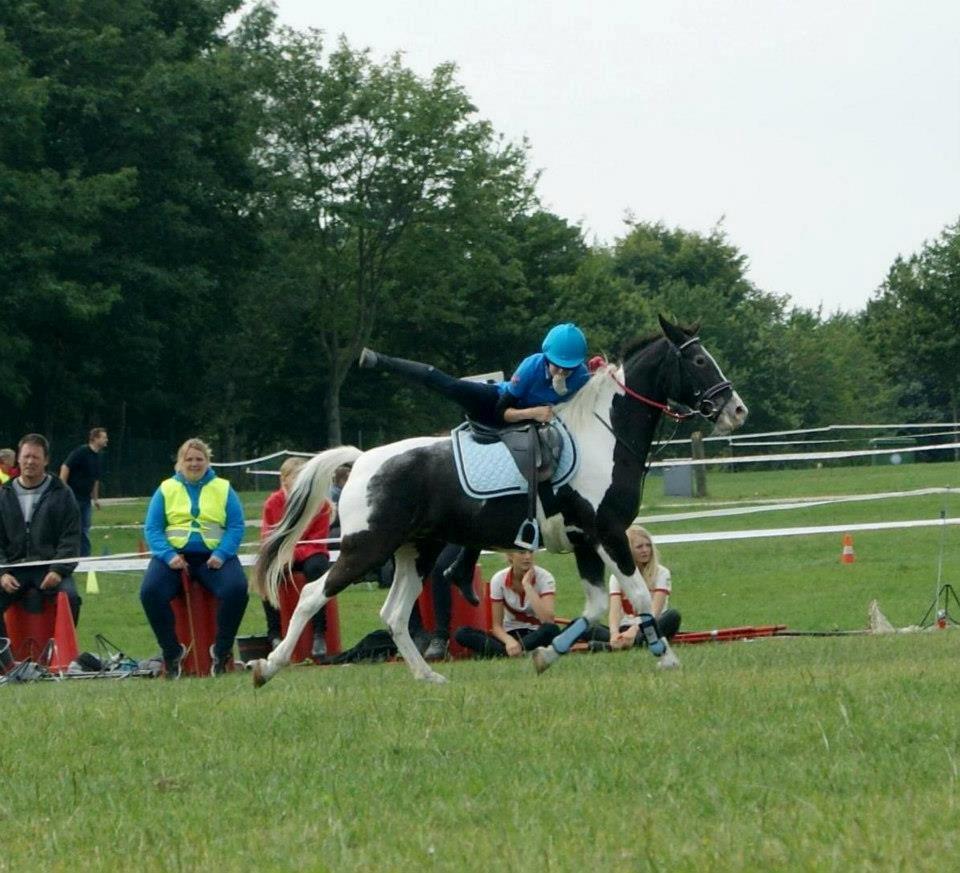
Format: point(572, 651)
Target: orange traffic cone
point(847, 556)
point(64, 636)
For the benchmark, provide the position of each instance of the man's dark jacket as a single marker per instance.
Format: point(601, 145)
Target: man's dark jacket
point(54, 529)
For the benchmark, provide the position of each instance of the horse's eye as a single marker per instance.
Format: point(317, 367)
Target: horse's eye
point(699, 360)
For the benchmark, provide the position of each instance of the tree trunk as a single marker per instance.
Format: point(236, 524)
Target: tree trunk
point(334, 428)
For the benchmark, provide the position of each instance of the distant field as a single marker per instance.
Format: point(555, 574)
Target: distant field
point(794, 580)
point(812, 753)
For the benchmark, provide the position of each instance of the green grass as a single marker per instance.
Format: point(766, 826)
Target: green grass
point(805, 754)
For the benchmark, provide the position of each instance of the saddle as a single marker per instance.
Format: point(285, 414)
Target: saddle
point(488, 460)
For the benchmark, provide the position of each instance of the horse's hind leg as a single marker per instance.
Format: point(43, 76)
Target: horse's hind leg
point(396, 613)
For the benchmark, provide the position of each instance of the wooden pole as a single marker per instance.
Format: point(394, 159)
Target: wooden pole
point(699, 470)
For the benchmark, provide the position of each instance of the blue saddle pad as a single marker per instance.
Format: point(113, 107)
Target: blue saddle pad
point(488, 469)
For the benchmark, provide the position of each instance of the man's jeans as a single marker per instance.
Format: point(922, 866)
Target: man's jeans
point(30, 595)
point(86, 518)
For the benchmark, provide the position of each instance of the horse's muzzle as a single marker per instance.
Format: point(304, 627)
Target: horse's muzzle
point(732, 415)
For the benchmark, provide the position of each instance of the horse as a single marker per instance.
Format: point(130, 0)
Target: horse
point(404, 499)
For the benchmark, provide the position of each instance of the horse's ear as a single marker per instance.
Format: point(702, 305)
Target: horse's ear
point(671, 331)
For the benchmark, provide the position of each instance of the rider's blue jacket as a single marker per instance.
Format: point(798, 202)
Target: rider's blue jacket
point(531, 384)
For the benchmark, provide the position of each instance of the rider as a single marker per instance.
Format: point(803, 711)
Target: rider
point(551, 376)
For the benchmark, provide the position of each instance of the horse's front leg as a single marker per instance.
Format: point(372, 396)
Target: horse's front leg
point(396, 610)
point(614, 551)
point(591, 575)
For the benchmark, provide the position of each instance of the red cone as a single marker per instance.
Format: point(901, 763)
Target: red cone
point(64, 636)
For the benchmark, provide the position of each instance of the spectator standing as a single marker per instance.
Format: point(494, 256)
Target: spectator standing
point(81, 471)
point(195, 523)
point(442, 601)
point(39, 521)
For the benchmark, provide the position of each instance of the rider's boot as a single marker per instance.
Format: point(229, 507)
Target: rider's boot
point(371, 360)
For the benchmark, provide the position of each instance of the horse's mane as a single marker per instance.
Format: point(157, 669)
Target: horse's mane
point(577, 412)
point(638, 344)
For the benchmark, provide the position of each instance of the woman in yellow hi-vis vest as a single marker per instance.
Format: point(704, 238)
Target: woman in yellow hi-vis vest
point(194, 522)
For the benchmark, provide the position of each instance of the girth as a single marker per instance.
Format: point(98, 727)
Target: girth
point(535, 449)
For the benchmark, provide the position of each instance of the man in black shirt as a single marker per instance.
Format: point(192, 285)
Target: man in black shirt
point(81, 471)
point(39, 521)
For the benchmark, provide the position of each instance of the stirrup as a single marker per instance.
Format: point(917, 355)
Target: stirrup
point(531, 526)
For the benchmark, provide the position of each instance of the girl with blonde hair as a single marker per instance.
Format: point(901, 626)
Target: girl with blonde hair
point(624, 622)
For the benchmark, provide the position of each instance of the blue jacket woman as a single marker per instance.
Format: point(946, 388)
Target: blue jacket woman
point(548, 377)
point(194, 522)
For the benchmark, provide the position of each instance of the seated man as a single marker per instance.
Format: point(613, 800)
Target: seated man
point(39, 521)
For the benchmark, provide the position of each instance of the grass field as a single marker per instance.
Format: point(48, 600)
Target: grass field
point(812, 753)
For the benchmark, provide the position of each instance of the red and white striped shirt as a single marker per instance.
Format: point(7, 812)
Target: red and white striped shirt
point(518, 614)
point(661, 582)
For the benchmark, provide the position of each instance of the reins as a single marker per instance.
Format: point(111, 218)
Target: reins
point(665, 408)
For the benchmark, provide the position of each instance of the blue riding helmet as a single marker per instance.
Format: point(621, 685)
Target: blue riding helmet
point(565, 345)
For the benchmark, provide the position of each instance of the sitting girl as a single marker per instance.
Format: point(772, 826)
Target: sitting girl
point(624, 623)
point(521, 598)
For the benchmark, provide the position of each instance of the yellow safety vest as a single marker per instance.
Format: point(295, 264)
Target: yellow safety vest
point(181, 522)
point(3, 477)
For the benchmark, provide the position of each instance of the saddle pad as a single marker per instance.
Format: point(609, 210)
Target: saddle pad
point(488, 469)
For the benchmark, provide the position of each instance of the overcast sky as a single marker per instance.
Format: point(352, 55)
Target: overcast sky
point(825, 133)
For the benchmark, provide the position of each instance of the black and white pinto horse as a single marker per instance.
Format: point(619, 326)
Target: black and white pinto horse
point(404, 499)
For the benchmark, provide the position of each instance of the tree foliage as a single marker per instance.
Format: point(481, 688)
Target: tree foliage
point(199, 231)
point(914, 325)
point(370, 174)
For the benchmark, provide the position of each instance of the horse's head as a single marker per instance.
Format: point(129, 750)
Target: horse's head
point(690, 376)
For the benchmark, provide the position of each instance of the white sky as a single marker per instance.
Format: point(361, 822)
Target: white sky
point(827, 132)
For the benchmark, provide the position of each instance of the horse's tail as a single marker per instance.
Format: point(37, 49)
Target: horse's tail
point(310, 490)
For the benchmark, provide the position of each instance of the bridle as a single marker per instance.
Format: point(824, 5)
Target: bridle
point(706, 404)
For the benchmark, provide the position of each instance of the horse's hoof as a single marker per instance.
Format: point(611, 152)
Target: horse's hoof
point(543, 657)
point(668, 661)
point(434, 678)
point(262, 673)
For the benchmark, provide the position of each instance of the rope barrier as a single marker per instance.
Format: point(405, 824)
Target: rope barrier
point(803, 456)
point(732, 438)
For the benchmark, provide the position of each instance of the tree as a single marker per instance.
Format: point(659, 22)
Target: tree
point(358, 159)
point(130, 206)
point(50, 240)
point(913, 322)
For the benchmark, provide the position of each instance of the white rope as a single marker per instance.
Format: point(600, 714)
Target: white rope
point(824, 429)
point(802, 456)
point(797, 504)
point(719, 535)
point(128, 563)
point(269, 457)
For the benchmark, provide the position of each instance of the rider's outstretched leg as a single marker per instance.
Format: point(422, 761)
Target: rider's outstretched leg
point(478, 399)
